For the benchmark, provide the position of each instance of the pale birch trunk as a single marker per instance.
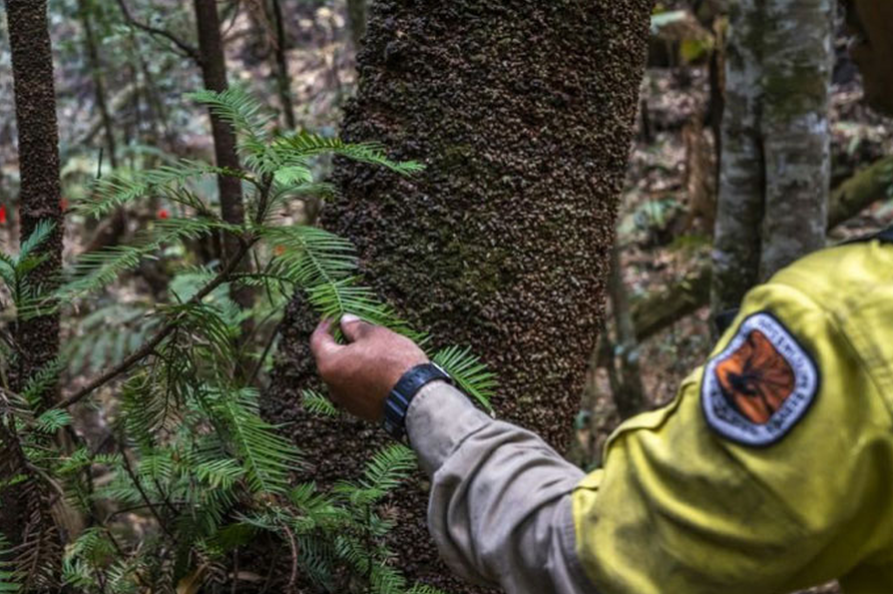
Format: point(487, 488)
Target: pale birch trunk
point(775, 173)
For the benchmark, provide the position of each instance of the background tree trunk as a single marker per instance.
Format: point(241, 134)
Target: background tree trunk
point(629, 395)
point(283, 77)
point(213, 65)
point(40, 195)
point(776, 159)
point(522, 111)
point(24, 509)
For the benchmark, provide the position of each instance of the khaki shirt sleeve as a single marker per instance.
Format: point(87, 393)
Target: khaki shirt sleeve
point(500, 506)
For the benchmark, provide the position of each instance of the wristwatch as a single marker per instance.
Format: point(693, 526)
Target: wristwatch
point(396, 405)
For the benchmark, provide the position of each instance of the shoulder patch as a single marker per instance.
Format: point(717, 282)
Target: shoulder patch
point(761, 385)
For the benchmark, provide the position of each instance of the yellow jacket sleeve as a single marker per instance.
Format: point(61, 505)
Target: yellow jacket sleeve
point(772, 469)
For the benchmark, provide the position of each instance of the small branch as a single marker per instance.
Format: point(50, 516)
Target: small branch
point(159, 337)
point(293, 544)
point(139, 487)
point(188, 50)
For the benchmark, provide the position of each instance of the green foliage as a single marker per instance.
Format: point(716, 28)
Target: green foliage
point(469, 372)
point(8, 579)
point(188, 451)
point(15, 273)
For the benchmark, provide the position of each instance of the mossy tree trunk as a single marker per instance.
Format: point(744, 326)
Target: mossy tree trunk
point(522, 111)
point(775, 171)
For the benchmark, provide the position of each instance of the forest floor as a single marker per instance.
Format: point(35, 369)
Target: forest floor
point(663, 227)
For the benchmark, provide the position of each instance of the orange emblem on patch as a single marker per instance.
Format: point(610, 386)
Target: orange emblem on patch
point(756, 379)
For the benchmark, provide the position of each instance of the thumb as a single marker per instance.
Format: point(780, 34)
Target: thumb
point(322, 342)
point(354, 328)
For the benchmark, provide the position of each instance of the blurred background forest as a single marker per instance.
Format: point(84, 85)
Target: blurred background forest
point(122, 72)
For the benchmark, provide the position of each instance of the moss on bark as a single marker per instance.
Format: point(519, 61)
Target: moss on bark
point(522, 112)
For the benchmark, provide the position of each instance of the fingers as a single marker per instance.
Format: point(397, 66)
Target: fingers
point(322, 343)
point(354, 328)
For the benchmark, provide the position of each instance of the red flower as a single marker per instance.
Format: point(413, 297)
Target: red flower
point(279, 250)
point(2, 215)
point(63, 204)
point(164, 214)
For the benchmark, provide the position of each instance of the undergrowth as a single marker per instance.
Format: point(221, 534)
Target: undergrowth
point(190, 475)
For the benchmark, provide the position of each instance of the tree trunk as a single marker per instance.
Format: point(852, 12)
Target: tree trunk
point(40, 195)
point(629, 395)
point(283, 77)
point(776, 159)
point(522, 112)
point(95, 65)
point(213, 65)
point(37, 339)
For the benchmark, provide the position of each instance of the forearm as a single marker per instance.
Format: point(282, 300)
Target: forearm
point(500, 506)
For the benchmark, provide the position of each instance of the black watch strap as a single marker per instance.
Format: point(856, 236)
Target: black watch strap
point(396, 405)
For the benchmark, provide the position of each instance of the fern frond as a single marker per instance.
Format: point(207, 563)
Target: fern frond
point(220, 473)
point(9, 578)
point(315, 403)
point(41, 233)
point(311, 256)
point(268, 457)
point(109, 334)
point(243, 112)
point(121, 188)
point(469, 372)
point(152, 406)
point(42, 381)
point(388, 468)
point(99, 269)
point(299, 147)
point(52, 420)
point(333, 300)
point(383, 473)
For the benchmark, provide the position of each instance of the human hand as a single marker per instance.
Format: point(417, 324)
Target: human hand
point(360, 374)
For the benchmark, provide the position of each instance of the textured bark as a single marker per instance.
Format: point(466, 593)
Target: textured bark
point(522, 111)
point(688, 295)
point(776, 158)
point(213, 67)
point(37, 340)
point(40, 194)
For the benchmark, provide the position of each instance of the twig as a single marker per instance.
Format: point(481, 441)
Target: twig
point(292, 543)
point(188, 50)
point(159, 337)
point(139, 487)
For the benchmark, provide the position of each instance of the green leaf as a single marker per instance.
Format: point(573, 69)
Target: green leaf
point(469, 372)
point(53, 420)
point(268, 458)
point(317, 404)
point(297, 148)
